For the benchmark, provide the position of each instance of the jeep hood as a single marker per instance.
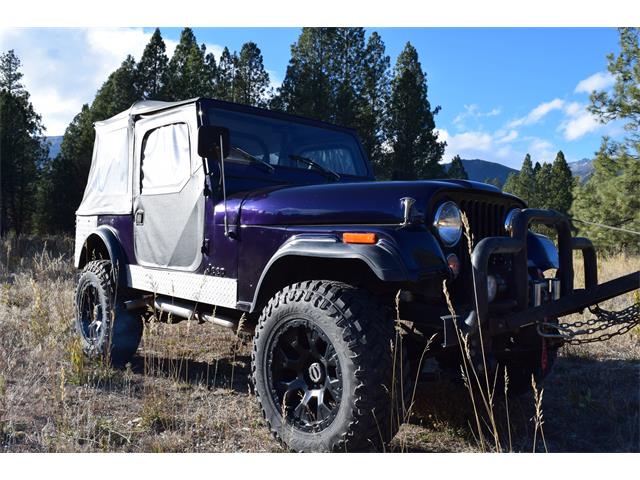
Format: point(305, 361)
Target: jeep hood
point(345, 203)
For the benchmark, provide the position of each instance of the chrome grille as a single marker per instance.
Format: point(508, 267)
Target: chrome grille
point(486, 218)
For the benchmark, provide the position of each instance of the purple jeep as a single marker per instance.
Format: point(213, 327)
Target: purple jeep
point(215, 211)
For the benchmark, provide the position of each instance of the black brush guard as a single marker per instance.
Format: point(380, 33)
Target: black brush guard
point(571, 300)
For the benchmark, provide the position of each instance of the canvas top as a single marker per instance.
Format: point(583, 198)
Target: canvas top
point(141, 108)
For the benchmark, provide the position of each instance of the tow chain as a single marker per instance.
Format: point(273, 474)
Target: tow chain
point(580, 332)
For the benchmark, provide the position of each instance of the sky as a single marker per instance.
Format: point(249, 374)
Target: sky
point(504, 92)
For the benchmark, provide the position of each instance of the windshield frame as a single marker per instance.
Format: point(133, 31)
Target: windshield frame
point(205, 104)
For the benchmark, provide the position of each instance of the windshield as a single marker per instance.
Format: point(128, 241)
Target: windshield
point(281, 143)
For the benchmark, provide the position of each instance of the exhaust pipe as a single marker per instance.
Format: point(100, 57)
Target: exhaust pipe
point(178, 310)
point(185, 311)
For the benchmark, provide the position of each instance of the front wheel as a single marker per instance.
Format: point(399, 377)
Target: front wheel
point(107, 330)
point(322, 367)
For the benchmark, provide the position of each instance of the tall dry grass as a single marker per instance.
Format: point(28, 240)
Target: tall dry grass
point(187, 389)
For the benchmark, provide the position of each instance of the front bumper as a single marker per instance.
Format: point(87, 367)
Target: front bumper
point(481, 321)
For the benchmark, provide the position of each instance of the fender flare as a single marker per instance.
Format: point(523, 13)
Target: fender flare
point(109, 238)
point(383, 258)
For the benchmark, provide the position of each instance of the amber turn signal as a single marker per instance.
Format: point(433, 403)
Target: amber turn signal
point(368, 238)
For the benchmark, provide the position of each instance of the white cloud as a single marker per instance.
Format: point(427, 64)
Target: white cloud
point(466, 141)
point(597, 81)
point(274, 80)
point(578, 121)
point(574, 108)
point(541, 150)
point(579, 126)
point(484, 145)
point(64, 67)
point(473, 111)
point(211, 47)
point(504, 146)
point(506, 137)
point(538, 113)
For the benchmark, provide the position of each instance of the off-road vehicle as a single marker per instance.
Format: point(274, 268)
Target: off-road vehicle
point(220, 212)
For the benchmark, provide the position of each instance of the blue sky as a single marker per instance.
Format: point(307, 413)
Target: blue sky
point(503, 91)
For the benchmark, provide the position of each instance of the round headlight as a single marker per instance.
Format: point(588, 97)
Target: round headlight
point(508, 220)
point(448, 223)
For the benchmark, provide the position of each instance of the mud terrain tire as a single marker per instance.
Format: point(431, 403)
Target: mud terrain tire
point(107, 330)
point(360, 333)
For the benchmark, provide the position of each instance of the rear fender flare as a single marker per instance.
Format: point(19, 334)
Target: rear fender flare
point(107, 238)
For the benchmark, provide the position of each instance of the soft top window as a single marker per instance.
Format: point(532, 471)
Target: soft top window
point(166, 159)
point(108, 187)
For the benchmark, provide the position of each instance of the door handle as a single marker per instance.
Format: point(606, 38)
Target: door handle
point(139, 217)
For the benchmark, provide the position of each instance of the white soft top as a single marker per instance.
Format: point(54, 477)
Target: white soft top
point(110, 183)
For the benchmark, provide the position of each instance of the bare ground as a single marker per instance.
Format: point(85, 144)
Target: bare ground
point(187, 389)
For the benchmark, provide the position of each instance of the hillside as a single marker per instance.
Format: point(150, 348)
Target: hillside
point(480, 170)
point(582, 169)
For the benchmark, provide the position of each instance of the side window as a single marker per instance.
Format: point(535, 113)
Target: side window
point(166, 159)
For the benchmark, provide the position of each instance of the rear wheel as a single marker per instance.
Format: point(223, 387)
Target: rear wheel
point(107, 330)
point(322, 367)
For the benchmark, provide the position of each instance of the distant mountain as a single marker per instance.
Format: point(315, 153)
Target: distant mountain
point(582, 169)
point(480, 170)
point(54, 145)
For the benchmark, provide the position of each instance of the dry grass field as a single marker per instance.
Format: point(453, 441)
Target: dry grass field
point(187, 389)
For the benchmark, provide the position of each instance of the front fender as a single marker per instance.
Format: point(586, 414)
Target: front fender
point(383, 258)
point(400, 255)
point(542, 252)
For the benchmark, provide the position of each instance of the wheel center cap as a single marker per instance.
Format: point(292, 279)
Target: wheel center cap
point(315, 372)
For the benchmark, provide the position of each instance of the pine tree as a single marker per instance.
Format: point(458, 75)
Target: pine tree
point(610, 196)
point(511, 184)
point(347, 74)
point(544, 189)
point(118, 93)
point(416, 149)
point(67, 174)
point(226, 75)
point(624, 101)
point(152, 70)
point(456, 170)
point(374, 97)
point(187, 71)
point(10, 74)
point(307, 88)
point(560, 185)
point(495, 181)
point(251, 79)
point(211, 72)
point(22, 149)
point(527, 182)
point(523, 184)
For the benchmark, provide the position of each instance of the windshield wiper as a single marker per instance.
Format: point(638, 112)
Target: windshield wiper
point(317, 166)
point(270, 167)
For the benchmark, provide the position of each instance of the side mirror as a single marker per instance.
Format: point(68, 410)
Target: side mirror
point(212, 139)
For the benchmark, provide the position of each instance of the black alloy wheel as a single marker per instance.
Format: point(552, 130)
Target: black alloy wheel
point(107, 330)
point(305, 375)
point(323, 370)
